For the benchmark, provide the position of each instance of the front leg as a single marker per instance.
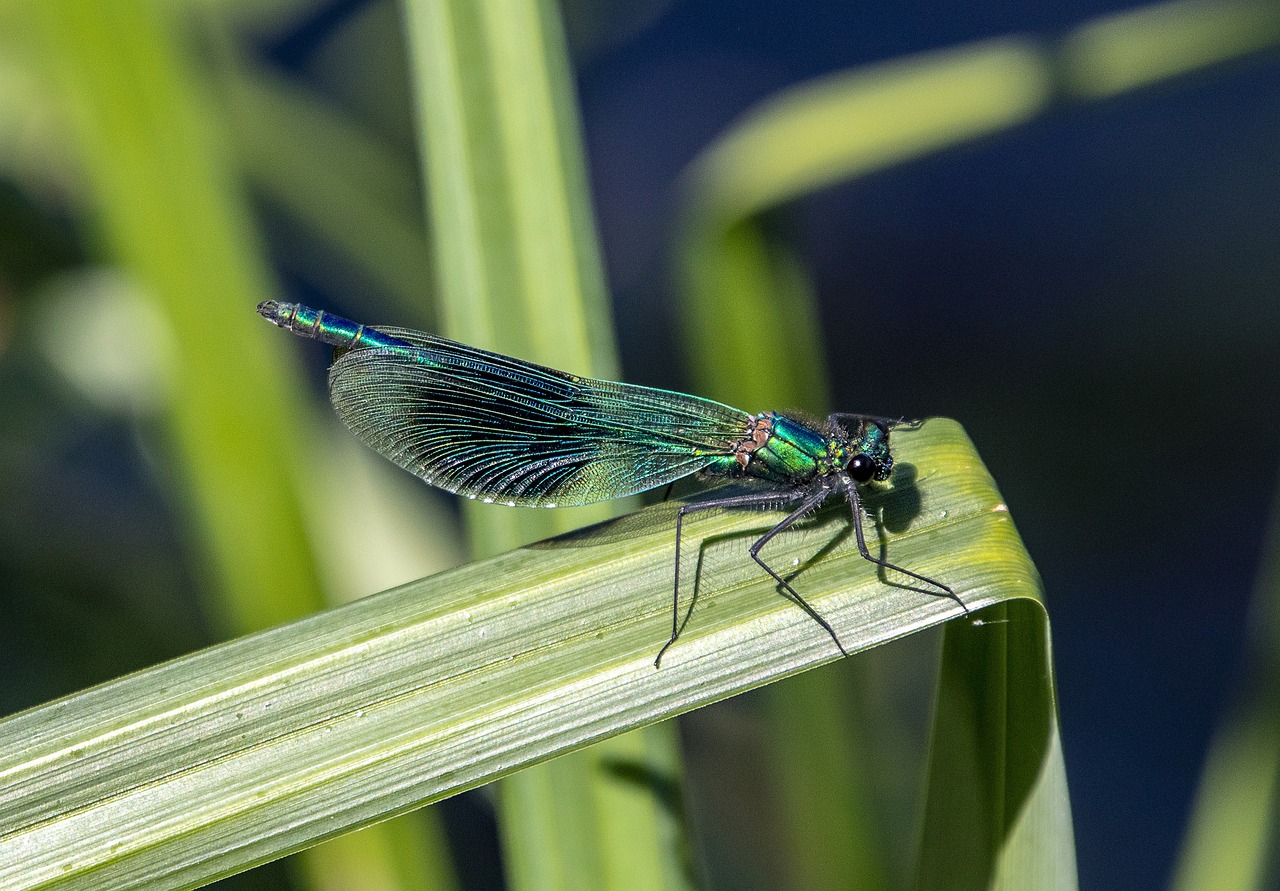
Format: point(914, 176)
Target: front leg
point(840, 417)
point(856, 504)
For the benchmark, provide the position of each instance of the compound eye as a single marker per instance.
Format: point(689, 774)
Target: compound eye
point(862, 468)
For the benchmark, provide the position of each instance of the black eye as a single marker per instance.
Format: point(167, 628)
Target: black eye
point(862, 468)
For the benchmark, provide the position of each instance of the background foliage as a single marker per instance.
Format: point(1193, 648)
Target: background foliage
point(1070, 249)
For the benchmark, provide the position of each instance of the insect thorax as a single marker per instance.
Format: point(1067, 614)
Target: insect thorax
point(784, 450)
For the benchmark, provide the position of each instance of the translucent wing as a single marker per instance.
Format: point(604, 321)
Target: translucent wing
point(496, 428)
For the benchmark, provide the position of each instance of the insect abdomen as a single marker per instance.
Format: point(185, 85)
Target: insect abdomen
point(324, 326)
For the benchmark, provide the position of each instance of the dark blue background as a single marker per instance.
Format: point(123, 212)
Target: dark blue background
point(1093, 295)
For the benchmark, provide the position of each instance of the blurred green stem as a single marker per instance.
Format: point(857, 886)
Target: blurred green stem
point(169, 206)
point(1234, 828)
point(519, 272)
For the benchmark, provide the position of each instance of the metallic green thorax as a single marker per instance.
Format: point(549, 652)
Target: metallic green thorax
point(783, 450)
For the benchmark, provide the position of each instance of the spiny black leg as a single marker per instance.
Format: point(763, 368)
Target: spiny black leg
point(813, 500)
point(666, 493)
point(754, 499)
point(856, 504)
point(840, 417)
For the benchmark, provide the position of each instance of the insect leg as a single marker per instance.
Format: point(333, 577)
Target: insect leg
point(811, 500)
point(840, 417)
point(753, 499)
point(856, 504)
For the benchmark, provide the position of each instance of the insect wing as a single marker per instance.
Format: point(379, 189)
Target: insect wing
point(499, 429)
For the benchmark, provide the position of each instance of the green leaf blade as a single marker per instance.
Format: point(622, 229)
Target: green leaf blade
point(246, 751)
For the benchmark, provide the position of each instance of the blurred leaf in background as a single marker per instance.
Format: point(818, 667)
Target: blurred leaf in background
point(227, 419)
point(149, 151)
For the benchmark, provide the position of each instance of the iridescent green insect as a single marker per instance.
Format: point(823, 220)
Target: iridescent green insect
point(502, 430)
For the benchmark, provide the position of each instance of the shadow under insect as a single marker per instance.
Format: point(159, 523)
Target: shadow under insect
point(891, 508)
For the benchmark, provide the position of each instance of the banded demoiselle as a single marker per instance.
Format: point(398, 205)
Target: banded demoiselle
point(502, 430)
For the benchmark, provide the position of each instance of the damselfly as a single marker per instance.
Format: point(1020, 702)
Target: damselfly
point(507, 431)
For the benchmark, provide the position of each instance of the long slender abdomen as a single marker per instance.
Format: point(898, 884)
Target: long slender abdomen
point(325, 327)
